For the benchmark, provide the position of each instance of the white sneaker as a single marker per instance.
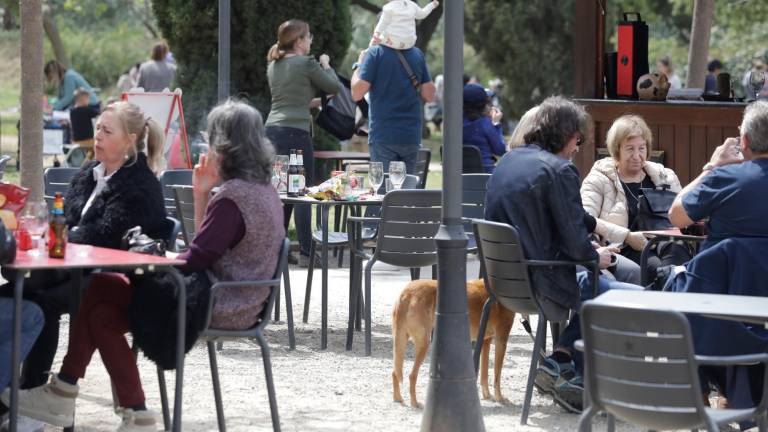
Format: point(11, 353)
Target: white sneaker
point(52, 403)
point(138, 421)
point(25, 424)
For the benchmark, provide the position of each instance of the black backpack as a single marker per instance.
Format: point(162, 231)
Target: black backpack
point(337, 116)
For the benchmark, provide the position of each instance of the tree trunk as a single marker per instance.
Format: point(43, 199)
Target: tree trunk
point(701, 26)
point(426, 28)
point(31, 141)
point(53, 36)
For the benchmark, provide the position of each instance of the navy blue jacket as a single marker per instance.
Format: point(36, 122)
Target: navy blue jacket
point(737, 266)
point(538, 193)
point(485, 136)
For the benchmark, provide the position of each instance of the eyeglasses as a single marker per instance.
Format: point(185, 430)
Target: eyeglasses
point(579, 141)
point(310, 37)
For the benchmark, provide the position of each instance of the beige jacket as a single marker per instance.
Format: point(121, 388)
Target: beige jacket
point(604, 198)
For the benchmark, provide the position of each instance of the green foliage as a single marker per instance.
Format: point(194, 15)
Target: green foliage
point(527, 44)
point(102, 56)
point(191, 28)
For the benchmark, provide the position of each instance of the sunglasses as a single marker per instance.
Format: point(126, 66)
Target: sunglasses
point(579, 141)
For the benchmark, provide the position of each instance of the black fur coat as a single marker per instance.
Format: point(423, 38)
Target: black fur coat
point(133, 196)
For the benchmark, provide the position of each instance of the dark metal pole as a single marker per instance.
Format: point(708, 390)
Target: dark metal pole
point(452, 400)
point(224, 24)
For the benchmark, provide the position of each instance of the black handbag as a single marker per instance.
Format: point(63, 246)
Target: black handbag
point(653, 208)
point(135, 241)
point(7, 246)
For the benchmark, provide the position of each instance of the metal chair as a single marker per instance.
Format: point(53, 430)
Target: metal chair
point(184, 209)
point(341, 239)
point(211, 336)
point(57, 179)
point(407, 227)
point(422, 166)
point(174, 229)
point(640, 367)
point(170, 178)
point(473, 191)
point(507, 279)
point(3, 162)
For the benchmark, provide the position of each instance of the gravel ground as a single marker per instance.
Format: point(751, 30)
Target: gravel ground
point(328, 390)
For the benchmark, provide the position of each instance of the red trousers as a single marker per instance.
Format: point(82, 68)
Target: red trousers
point(101, 324)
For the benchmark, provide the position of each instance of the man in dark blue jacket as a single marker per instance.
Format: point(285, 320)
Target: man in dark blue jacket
point(535, 188)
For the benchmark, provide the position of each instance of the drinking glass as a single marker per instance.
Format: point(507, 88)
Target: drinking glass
point(34, 216)
point(375, 176)
point(397, 173)
point(757, 81)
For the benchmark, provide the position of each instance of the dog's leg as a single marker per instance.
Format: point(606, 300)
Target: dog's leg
point(421, 343)
point(500, 339)
point(399, 345)
point(484, 368)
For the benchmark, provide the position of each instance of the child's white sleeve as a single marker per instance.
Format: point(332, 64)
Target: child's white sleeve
point(384, 20)
point(426, 10)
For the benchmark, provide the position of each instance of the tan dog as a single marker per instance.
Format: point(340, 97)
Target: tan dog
point(414, 316)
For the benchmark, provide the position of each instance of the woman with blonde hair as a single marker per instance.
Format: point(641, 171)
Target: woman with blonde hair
point(116, 191)
point(523, 127)
point(295, 79)
point(611, 191)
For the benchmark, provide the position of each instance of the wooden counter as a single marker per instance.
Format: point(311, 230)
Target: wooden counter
point(686, 131)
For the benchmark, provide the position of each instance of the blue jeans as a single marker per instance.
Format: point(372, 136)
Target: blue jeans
point(31, 324)
point(388, 153)
point(572, 331)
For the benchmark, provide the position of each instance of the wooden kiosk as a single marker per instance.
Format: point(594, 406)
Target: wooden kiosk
point(687, 131)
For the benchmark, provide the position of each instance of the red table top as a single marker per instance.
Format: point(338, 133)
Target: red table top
point(327, 154)
point(85, 256)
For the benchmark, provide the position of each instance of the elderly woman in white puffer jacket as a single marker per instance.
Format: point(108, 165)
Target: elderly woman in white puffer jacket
point(611, 191)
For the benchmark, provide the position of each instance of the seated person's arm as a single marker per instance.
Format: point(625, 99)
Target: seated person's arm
point(222, 228)
point(568, 215)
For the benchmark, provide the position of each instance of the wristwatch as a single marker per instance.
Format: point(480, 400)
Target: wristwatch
point(708, 166)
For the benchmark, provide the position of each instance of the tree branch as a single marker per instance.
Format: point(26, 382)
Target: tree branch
point(365, 4)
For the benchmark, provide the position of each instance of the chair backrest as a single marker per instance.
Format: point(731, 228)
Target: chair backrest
point(184, 204)
point(57, 179)
point(169, 178)
point(3, 162)
point(173, 227)
point(409, 221)
point(421, 169)
point(266, 312)
point(506, 273)
point(411, 182)
point(473, 191)
point(471, 159)
point(640, 366)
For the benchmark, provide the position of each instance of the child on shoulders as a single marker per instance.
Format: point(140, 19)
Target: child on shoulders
point(397, 25)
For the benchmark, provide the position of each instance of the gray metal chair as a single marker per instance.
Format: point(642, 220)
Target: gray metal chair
point(211, 336)
point(57, 179)
point(641, 368)
point(507, 279)
point(407, 227)
point(170, 178)
point(471, 159)
point(184, 209)
point(4, 159)
point(174, 229)
point(340, 239)
point(473, 191)
point(422, 166)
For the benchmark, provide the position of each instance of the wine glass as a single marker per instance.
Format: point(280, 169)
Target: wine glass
point(375, 176)
point(397, 173)
point(757, 81)
point(34, 216)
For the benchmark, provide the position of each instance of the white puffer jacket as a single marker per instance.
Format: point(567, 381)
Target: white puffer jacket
point(604, 198)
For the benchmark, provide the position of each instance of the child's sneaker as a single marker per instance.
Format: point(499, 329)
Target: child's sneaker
point(53, 403)
point(138, 421)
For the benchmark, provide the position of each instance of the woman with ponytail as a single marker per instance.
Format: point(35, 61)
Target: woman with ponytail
point(116, 191)
point(295, 78)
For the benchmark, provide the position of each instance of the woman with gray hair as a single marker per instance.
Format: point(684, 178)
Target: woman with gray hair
point(240, 232)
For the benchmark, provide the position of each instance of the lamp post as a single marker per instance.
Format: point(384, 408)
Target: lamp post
point(224, 25)
point(452, 401)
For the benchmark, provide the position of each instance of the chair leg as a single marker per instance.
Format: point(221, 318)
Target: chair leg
point(219, 346)
point(585, 420)
point(277, 306)
point(341, 256)
point(554, 327)
point(353, 300)
point(434, 271)
point(270, 384)
point(481, 332)
point(611, 423)
point(541, 334)
point(762, 423)
point(368, 301)
point(308, 291)
point(415, 273)
point(164, 399)
point(216, 386)
point(289, 308)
